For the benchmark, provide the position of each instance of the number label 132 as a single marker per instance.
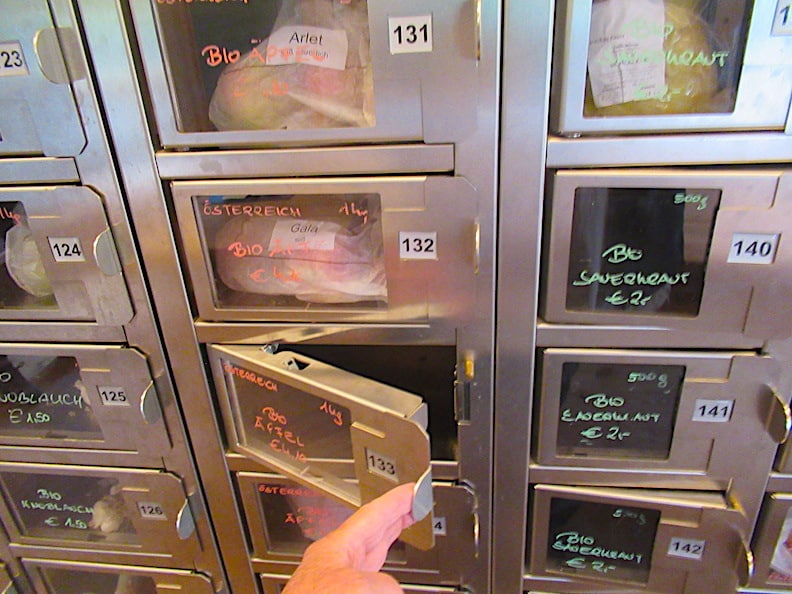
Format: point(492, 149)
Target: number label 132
point(417, 245)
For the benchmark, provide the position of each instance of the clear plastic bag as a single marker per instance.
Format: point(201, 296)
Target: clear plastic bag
point(654, 57)
point(23, 262)
point(313, 71)
point(337, 264)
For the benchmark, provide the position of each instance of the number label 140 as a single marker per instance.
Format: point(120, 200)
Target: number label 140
point(753, 248)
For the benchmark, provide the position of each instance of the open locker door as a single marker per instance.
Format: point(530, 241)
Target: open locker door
point(301, 417)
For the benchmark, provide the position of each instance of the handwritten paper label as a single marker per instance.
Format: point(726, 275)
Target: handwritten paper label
point(686, 548)
point(296, 235)
point(439, 526)
point(314, 46)
point(753, 248)
point(622, 35)
point(12, 60)
point(417, 245)
point(410, 35)
point(782, 23)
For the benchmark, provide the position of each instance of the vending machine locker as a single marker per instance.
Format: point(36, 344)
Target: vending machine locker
point(658, 541)
point(80, 402)
point(283, 518)
point(38, 111)
point(362, 250)
point(301, 417)
point(772, 544)
point(304, 72)
point(70, 577)
point(661, 247)
point(93, 513)
point(659, 66)
point(60, 259)
point(691, 414)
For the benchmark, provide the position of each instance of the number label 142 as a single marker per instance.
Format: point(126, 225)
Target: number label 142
point(687, 548)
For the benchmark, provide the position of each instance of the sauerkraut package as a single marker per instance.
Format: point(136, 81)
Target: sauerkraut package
point(654, 57)
point(311, 259)
point(312, 71)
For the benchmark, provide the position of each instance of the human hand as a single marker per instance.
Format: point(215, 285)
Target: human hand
point(349, 558)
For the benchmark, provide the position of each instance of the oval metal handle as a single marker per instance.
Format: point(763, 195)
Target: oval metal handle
point(185, 522)
point(478, 30)
point(150, 408)
point(779, 422)
point(476, 247)
point(105, 254)
point(745, 564)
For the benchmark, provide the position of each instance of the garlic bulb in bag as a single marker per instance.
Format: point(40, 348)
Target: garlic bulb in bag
point(313, 71)
point(23, 262)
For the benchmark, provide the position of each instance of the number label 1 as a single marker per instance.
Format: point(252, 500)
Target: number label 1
point(753, 248)
point(417, 245)
point(713, 411)
point(381, 465)
point(410, 35)
point(782, 23)
point(12, 60)
point(686, 548)
point(66, 249)
point(151, 511)
point(113, 396)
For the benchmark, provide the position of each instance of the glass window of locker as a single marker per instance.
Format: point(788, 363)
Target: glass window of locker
point(84, 508)
point(23, 280)
point(264, 65)
point(44, 396)
point(781, 564)
point(72, 581)
point(657, 57)
point(640, 250)
point(308, 250)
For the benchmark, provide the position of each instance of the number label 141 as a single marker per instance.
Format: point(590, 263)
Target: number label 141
point(713, 411)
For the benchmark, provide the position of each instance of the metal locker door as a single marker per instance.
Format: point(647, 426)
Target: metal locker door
point(38, 112)
point(301, 417)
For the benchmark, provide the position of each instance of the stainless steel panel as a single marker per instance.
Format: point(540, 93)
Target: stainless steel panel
point(291, 413)
point(761, 97)
point(68, 577)
point(73, 400)
point(348, 160)
point(662, 541)
point(409, 89)
point(63, 263)
point(38, 113)
point(750, 203)
point(283, 518)
point(38, 170)
point(97, 513)
point(274, 584)
point(433, 283)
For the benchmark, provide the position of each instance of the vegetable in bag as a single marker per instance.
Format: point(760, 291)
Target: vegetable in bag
point(313, 71)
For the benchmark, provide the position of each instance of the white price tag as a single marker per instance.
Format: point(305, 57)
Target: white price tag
point(151, 511)
point(687, 548)
point(417, 245)
point(782, 23)
point(753, 248)
point(113, 396)
point(12, 60)
point(381, 465)
point(713, 411)
point(410, 35)
point(66, 249)
point(439, 526)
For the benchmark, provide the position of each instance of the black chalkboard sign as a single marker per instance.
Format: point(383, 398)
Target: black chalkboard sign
point(640, 250)
point(286, 423)
point(601, 540)
point(618, 410)
point(44, 397)
point(83, 508)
